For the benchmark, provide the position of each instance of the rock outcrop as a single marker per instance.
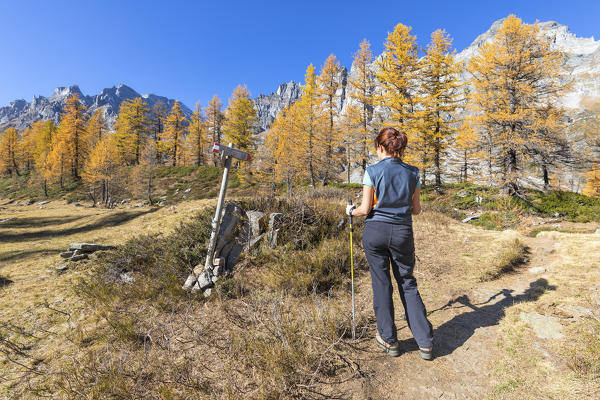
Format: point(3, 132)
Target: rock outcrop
point(268, 106)
point(21, 114)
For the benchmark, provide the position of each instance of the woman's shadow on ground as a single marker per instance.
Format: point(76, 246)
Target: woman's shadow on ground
point(454, 333)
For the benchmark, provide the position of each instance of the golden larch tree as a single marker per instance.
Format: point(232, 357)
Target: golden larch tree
point(329, 84)
point(197, 138)
point(72, 142)
point(214, 123)
point(45, 134)
point(241, 120)
point(592, 187)
point(466, 145)
point(172, 139)
point(516, 80)
point(97, 127)
point(396, 72)
point(10, 151)
point(308, 119)
point(283, 147)
point(158, 116)
point(439, 97)
point(360, 114)
point(132, 130)
point(102, 169)
point(27, 143)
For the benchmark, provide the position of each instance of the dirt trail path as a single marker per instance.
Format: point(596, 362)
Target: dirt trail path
point(467, 333)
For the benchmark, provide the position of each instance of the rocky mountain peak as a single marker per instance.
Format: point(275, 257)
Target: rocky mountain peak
point(62, 93)
point(21, 114)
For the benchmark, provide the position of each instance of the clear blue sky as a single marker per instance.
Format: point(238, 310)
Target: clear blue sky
point(190, 50)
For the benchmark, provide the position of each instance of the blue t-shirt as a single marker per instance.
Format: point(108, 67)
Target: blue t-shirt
point(394, 183)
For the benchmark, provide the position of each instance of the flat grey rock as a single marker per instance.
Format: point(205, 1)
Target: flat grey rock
point(471, 218)
point(62, 268)
point(89, 247)
point(544, 326)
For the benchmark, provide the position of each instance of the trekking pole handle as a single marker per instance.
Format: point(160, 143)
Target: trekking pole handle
point(350, 203)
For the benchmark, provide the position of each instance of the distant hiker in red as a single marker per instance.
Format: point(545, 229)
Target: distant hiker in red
point(391, 195)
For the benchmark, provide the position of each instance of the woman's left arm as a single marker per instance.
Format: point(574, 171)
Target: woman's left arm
point(367, 203)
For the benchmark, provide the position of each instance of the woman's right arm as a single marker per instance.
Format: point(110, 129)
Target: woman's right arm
point(416, 207)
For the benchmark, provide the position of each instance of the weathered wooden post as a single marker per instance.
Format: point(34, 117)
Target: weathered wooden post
point(228, 153)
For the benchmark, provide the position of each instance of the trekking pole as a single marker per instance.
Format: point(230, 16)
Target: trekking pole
point(352, 276)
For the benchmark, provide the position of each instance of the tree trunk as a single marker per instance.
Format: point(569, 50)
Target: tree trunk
point(438, 171)
point(149, 188)
point(465, 168)
point(310, 161)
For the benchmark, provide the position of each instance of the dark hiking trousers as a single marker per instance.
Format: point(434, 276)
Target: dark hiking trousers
point(386, 244)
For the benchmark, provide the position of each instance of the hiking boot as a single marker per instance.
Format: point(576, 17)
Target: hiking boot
point(392, 349)
point(426, 354)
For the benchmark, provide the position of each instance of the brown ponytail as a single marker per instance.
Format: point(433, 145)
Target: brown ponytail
point(393, 141)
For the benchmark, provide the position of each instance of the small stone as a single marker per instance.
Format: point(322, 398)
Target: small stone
point(341, 223)
point(58, 301)
point(187, 190)
point(41, 203)
point(256, 221)
point(544, 326)
point(207, 292)
point(471, 218)
point(275, 223)
point(66, 254)
point(62, 268)
point(537, 270)
point(204, 280)
point(126, 277)
point(189, 282)
point(76, 205)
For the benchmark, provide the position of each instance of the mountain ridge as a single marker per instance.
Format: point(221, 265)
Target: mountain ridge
point(582, 66)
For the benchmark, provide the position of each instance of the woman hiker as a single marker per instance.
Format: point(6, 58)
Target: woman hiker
point(391, 190)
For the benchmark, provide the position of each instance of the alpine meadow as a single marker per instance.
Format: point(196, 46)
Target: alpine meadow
point(109, 202)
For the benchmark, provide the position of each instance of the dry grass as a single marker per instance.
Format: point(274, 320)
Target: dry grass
point(278, 328)
point(512, 254)
point(566, 368)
